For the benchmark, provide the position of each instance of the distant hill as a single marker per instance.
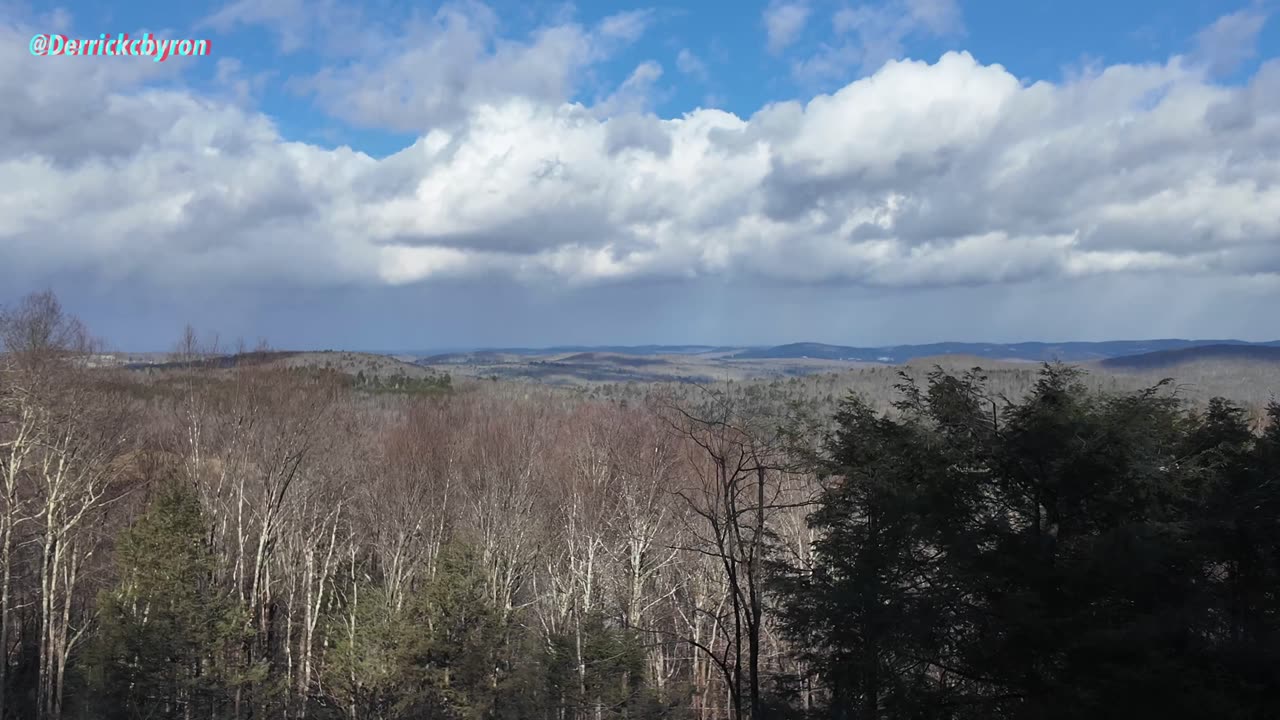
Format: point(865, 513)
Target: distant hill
point(508, 355)
point(611, 358)
point(816, 351)
point(220, 362)
point(636, 349)
point(1033, 351)
point(562, 349)
point(470, 358)
point(652, 356)
point(708, 363)
point(965, 362)
point(1268, 353)
point(369, 365)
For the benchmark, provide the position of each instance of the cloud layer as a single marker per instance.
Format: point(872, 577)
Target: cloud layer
point(922, 174)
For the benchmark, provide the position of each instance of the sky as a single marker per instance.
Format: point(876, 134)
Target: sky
point(404, 175)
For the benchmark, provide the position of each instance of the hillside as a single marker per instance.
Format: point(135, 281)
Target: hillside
point(515, 352)
point(367, 365)
point(1186, 356)
point(1033, 351)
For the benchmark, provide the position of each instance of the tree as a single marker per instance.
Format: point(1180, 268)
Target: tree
point(432, 657)
point(1072, 554)
point(870, 611)
point(165, 627)
point(738, 485)
point(1237, 509)
point(63, 455)
point(38, 340)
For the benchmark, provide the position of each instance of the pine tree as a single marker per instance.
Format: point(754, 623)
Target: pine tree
point(1072, 555)
point(164, 626)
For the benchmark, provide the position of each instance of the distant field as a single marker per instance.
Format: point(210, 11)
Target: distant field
point(1241, 378)
point(1251, 384)
point(381, 367)
point(1248, 376)
point(589, 368)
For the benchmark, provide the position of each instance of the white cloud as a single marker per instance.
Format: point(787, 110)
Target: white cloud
point(869, 35)
point(1230, 41)
point(297, 24)
point(431, 70)
point(635, 94)
point(626, 26)
point(238, 84)
point(945, 174)
point(783, 22)
point(939, 17)
point(690, 64)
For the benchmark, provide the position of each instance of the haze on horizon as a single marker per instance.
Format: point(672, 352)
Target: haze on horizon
point(370, 176)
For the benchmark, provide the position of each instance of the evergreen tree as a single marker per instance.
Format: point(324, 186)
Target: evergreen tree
point(439, 656)
point(1073, 555)
point(164, 627)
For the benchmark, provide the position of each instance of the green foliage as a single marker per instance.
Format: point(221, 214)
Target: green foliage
point(609, 682)
point(448, 654)
point(433, 657)
point(1060, 554)
point(1071, 555)
point(403, 385)
point(164, 630)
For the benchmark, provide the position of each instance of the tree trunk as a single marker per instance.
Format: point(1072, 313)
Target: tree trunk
point(6, 582)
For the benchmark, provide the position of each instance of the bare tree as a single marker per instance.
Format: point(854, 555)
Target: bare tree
point(406, 505)
point(309, 553)
point(38, 334)
point(737, 452)
point(646, 459)
point(82, 456)
point(587, 517)
point(190, 349)
point(505, 457)
point(63, 445)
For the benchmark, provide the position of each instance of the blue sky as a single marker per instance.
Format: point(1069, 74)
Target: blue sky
point(733, 70)
point(386, 174)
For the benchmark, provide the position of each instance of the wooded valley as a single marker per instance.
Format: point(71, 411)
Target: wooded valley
point(264, 542)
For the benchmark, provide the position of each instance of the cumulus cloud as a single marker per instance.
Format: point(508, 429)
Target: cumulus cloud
point(434, 69)
point(627, 26)
point(288, 18)
point(944, 174)
point(868, 35)
point(635, 94)
point(783, 22)
point(297, 24)
point(238, 84)
point(1230, 41)
point(690, 64)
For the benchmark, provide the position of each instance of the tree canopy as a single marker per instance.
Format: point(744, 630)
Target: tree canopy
point(1070, 555)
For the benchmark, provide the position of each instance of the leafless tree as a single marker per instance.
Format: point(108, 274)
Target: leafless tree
point(737, 452)
point(63, 445)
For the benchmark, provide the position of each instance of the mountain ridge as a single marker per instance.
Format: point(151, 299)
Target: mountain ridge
point(1072, 351)
point(1034, 351)
point(1169, 358)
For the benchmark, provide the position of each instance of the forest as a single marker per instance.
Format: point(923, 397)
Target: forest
point(252, 541)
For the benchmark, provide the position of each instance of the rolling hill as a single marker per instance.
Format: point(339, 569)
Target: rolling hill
point(1026, 351)
point(490, 352)
point(1183, 356)
point(370, 365)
